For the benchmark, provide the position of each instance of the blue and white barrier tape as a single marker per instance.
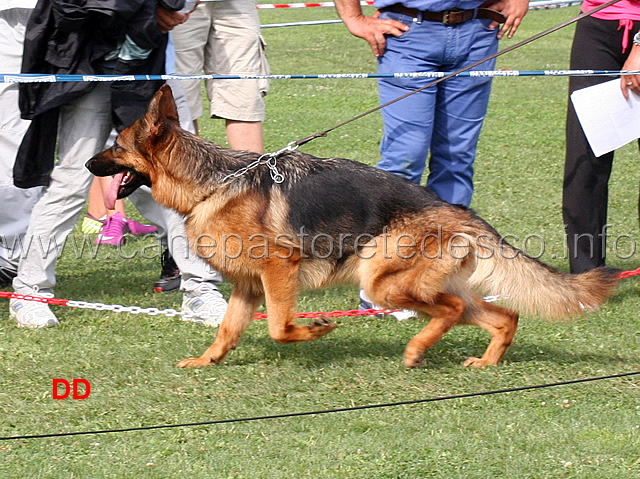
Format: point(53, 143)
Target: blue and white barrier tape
point(48, 78)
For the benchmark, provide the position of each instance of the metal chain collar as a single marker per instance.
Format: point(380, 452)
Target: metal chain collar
point(269, 159)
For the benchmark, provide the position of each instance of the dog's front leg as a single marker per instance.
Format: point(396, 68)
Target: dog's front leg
point(280, 282)
point(242, 305)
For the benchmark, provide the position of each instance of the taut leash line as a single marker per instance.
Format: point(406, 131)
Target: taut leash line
point(461, 70)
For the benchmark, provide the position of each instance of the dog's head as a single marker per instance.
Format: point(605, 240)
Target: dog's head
point(131, 158)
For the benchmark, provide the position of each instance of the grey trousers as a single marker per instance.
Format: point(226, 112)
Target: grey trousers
point(84, 128)
point(15, 203)
point(171, 231)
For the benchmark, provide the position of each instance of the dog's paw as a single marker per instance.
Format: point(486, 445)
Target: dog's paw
point(412, 361)
point(322, 322)
point(476, 362)
point(194, 363)
point(321, 325)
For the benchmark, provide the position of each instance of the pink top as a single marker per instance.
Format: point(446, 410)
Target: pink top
point(625, 11)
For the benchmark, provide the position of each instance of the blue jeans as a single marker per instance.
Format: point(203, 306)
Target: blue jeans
point(444, 120)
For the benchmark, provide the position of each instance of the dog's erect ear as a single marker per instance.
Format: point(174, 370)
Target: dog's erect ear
point(161, 109)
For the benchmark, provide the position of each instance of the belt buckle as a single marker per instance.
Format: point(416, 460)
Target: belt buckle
point(446, 16)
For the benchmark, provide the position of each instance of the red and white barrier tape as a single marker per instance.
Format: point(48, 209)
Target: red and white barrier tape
point(628, 274)
point(532, 6)
point(303, 5)
point(117, 308)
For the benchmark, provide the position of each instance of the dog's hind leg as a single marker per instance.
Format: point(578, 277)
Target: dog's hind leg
point(501, 323)
point(242, 305)
point(419, 286)
point(446, 311)
point(280, 282)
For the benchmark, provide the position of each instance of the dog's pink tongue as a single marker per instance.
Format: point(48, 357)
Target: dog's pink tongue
point(111, 195)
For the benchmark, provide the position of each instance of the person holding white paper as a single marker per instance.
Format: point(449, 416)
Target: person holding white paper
point(607, 40)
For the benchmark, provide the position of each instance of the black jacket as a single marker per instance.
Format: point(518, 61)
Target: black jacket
point(73, 37)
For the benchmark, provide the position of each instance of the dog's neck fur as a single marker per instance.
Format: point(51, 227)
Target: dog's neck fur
point(201, 164)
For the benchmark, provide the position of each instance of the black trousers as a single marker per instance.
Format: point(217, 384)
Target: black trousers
point(597, 45)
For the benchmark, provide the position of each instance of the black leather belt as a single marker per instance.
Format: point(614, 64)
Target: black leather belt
point(448, 17)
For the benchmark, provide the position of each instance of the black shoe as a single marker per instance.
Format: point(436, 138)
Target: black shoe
point(7, 275)
point(170, 277)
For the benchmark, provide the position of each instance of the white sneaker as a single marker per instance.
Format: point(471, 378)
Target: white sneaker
point(366, 303)
point(32, 314)
point(204, 305)
point(404, 314)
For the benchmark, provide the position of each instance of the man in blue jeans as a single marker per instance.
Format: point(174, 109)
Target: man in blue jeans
point(442, 122)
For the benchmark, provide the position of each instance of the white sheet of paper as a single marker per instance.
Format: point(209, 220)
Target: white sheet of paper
point(608, 120)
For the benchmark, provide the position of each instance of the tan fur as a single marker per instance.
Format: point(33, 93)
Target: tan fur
point(523, 285)
point(243, 230)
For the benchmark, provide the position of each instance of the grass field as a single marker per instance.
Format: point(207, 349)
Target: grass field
point(589, 430)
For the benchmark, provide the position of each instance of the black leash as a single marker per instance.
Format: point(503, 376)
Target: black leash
point(469, 67)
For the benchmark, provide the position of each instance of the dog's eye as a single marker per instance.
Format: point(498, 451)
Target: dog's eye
point(116, 147)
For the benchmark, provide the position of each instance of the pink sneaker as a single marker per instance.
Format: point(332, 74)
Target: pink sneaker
point(139, 229)
point(113, 231)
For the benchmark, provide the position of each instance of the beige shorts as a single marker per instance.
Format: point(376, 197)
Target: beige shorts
point(223, 38)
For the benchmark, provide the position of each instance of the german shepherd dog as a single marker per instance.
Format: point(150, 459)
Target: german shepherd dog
point(334, 221)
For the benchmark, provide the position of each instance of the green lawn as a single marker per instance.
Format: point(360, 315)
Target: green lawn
point(589, 430)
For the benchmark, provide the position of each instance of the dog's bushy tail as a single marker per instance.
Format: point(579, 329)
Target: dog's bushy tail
point(534, 288)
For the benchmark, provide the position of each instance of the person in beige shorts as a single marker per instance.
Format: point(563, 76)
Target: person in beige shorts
point(222, 37)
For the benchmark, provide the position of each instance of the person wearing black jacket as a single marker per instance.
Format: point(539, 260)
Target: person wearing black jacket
point(77, 37)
